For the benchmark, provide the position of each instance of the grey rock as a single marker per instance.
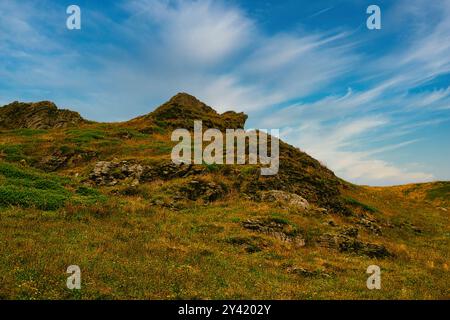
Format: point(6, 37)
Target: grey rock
point(285, 198)
point(345, 243)
point(280, 231)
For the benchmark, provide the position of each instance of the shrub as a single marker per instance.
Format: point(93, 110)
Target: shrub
point(86, 191)
point(13, 152)
point(31, 197)
point(11, 171)
point(30, 188)
point(214, 167)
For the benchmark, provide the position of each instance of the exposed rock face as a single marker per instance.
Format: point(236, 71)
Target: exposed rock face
point(277, 229)
point(169, 170)
point(53, 162)
point(200, 189)
point(59, 159)
point(39, 115)
point(110, 172)
point(129, 172)
point(285, 198)
point(183, 109)
point(371, 226)
point(302, 175)
point(347, 241)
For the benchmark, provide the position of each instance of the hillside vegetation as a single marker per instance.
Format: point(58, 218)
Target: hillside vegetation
point(106, 197)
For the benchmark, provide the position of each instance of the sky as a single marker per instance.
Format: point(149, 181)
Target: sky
point(372, 105)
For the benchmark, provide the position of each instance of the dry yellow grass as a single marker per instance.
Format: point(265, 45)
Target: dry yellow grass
point(139, 251)
point(139, 245)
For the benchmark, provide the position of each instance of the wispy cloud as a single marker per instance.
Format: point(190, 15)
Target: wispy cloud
point(318, 13)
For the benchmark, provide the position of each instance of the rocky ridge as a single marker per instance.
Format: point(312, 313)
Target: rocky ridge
point(37, 115)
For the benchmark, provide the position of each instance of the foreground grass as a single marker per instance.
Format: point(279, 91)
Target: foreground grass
point(130, 249)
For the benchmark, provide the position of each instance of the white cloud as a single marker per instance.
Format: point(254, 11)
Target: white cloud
point(202, 33)
point(329, 145)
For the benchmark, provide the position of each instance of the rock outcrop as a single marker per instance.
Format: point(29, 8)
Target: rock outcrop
point(183, 109)
point(132, 173)
point(38, 115)
point(201, 189)
point(277, 229)
point(303, 175)
point(285, 198)
point(347, 241)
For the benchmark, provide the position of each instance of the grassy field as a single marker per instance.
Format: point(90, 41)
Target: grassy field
point(128, 248)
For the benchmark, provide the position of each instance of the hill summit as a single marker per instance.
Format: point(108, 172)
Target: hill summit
point(182, 109)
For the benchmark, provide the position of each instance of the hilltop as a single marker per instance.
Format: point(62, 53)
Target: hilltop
point(107, 197)
point(183, 108)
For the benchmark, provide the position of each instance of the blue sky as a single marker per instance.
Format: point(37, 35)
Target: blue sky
point(373, 105)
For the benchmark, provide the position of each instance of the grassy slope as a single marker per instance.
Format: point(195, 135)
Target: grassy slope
point(128, 248)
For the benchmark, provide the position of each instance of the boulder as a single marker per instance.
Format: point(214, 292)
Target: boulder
point(111, 172)
point(201, 189)
point(285, 199)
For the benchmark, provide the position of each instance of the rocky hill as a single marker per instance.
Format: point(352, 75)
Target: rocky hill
point(38, 115)
point(106, 196)
point(298, 173)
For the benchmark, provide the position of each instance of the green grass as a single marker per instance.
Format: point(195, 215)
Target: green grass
point(16, 172)
point(214, 167)
point(86, 191)
point(440, 191)
point(28, 132)
point(84, 136)
point(159, 148)
point(13, 152)
point(130, 133)
point(31, 197)
point(356, 203)
point(27, 188)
